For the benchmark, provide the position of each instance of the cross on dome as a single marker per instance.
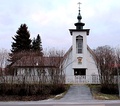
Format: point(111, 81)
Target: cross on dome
point(79, 24)
point(79, 4)
point(79, 15)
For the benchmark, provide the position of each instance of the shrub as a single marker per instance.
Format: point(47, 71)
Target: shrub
point(43, 90)
point(110, 89)
point(57, 89)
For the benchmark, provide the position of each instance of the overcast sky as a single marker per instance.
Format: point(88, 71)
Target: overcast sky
point(52, 19)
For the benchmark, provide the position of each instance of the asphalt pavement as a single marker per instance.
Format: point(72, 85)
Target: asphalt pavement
point(77, 93)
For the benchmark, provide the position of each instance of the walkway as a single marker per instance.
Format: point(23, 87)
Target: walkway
point(77, 93)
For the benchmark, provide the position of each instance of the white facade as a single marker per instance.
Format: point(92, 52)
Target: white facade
point(80, 66)
point(75, 54)
point(91, 68)
point(79, 62)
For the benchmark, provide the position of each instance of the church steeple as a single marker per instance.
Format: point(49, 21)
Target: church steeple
point(79, 25)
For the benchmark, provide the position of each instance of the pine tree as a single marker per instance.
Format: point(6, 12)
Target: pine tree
point(22, 42)
point(36, 44)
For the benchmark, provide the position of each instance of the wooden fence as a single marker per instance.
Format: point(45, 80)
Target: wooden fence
point(32, 79)
point(94, 79)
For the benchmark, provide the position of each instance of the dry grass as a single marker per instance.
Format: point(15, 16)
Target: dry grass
point(95, 89)
point(101, 96)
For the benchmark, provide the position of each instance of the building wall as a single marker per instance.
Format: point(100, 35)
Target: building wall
point(36, 75)
point(67, 67)
point(28, 71)
point(90, 71)
point(91, 65)
point(68, 64)
point(75, 55)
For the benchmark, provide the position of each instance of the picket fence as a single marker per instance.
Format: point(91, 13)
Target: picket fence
point(94, 79)
point(32, 79)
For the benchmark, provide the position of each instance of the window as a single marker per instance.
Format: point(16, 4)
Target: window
point(79, 44)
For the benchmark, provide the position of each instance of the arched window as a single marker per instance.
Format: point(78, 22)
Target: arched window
point(79, 44)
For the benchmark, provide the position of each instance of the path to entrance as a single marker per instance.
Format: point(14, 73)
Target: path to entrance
point(77, 93)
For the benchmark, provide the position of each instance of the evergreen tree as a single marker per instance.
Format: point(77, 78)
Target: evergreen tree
point(33, 44)
point(36, 44)
point(22, 43)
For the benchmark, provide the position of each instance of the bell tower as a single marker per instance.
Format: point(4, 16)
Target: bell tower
point(79, 45)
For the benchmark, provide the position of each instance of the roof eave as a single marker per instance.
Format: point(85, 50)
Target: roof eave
point(82, 30)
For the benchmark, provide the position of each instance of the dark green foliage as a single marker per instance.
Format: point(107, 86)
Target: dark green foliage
point(22, 41)
point(57, 89)
point(22, 92)
point(32, 89)
point(43, 90)
point(9, 92)
point(111, 89)
point(36, 44)
point(22, 44)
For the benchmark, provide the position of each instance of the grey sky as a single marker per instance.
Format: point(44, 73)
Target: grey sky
point(52, 19)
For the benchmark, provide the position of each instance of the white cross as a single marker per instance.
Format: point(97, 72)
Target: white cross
point(79, 5)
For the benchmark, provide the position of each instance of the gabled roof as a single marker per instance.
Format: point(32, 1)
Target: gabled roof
point(92, 53)
point(88, 48)
point(70, 49)
point(37, 61)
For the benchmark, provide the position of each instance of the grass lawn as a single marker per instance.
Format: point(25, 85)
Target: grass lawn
point(95, 89)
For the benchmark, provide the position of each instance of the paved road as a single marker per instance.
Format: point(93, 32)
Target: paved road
point(60, 104)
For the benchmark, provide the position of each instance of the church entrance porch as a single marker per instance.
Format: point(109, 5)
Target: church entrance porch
point(79, 72)
point(80, 75)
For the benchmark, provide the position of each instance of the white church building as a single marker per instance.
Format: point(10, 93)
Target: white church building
point(79, 62)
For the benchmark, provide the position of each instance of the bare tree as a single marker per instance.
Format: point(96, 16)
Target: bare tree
point(105, 60)
point(117, 65)
point(34, 72)
point(117, 51)
point(3, 59)
point(54, 59)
